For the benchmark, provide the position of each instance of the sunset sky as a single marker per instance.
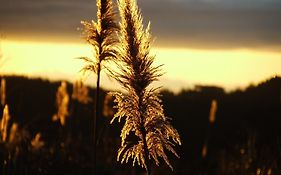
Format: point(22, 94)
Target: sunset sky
point(228, 43)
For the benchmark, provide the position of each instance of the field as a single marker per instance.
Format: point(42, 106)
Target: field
point(244, 139)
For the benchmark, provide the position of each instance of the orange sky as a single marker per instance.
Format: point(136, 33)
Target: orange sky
point(230, 43)
point(183, 68)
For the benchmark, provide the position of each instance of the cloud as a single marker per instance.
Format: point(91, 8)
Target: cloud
point(47, 18)
point(215, 23)
point(202, 24)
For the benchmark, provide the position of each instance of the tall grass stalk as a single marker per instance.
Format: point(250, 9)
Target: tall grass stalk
point(4, 123)
point(3, 92)
point(101, 35)
point(140, 106)
point(212, 119)
point(62, 100)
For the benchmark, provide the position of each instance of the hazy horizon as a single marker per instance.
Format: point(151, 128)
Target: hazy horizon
point(211, 42)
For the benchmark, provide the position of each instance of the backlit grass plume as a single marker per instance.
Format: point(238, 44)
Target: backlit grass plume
point(13, 132)
point(4, 124)
point(213, 111)
point(37, 142)
point(80, 92)
point(62, 100)
point(101, 35)
point(3, 92)
point(140, 106)
point(108, 106)
point(212, 119)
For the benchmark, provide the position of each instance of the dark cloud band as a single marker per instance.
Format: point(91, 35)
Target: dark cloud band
point(213, 24)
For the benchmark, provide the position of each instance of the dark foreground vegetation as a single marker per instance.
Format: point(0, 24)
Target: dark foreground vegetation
point(244, 139)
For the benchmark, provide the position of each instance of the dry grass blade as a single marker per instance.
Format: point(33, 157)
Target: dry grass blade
point(140, 106)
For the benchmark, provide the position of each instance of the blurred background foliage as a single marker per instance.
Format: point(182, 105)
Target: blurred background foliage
point(243, 139)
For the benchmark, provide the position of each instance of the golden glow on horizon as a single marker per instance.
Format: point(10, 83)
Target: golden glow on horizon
point(182, 67)
point(227, 68)
point(52, 60)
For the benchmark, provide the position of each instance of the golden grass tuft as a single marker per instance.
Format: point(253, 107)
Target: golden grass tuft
point(37, 142)
point(4, 123)
point(3, 91)
point(80, 92)
point(62, 100)
point(213, 111)
point(140, 106)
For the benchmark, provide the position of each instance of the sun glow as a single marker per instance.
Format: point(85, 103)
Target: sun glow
point(227, 68)
point(182, 67)
point(51, 60)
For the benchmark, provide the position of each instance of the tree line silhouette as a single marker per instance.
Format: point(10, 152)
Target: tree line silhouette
point(244, 138)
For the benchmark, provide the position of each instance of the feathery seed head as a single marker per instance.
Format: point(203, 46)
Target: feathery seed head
point(36, 142)
point(204, 151)
point(140, 107)
point(102, 35)
point(4, 123)
point(80, 92)
point(108, 106)
point(13, 131)
point(213, 111)
point(136, 70)
point(62, 101)
point(3, 91)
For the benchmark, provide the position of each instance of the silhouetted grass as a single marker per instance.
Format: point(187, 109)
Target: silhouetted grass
point(101, 35)
point(147, 132)
point(239, 145)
